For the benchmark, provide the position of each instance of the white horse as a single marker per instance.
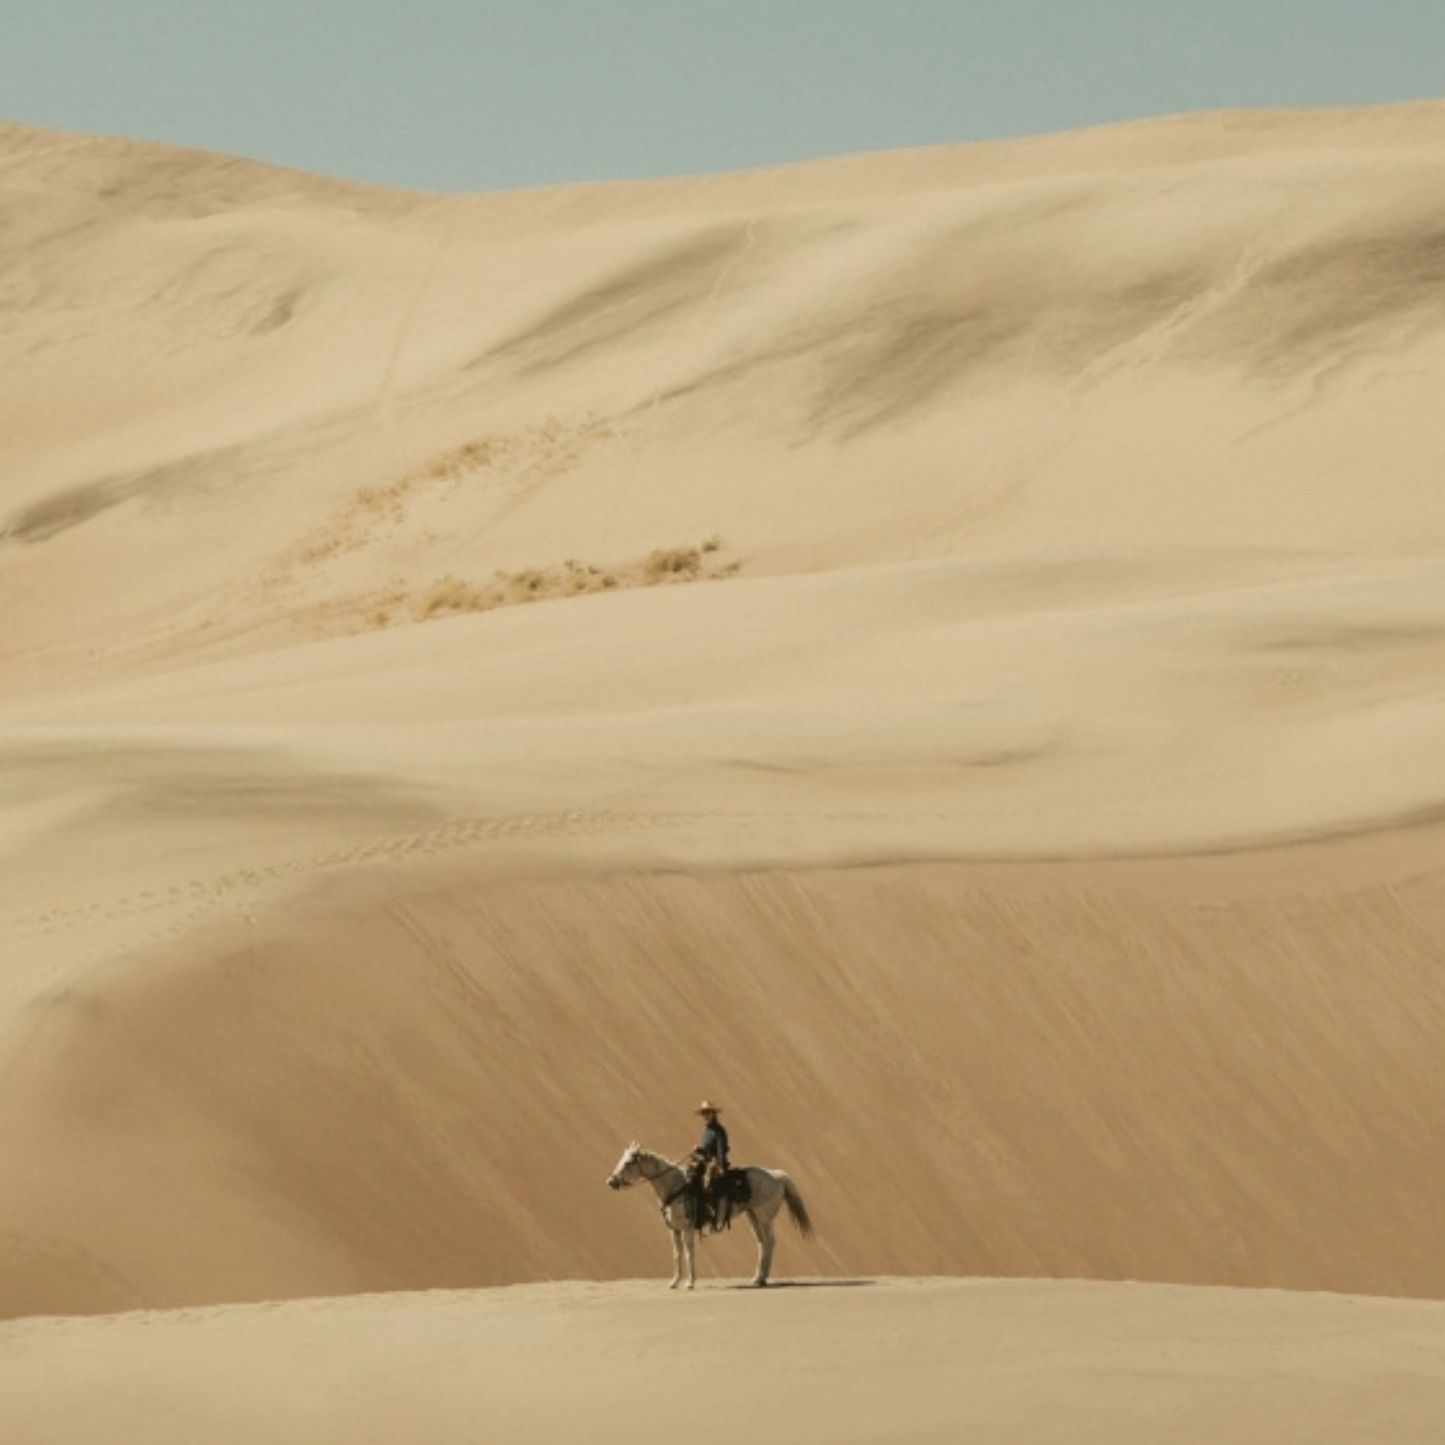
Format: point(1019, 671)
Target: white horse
point(771, 1189)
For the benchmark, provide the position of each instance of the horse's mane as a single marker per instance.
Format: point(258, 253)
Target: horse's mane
point(640, 1152)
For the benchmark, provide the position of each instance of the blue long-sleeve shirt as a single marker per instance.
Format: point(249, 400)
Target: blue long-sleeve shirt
point(714, 1142)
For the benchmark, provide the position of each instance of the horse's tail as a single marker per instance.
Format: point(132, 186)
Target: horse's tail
point(797, 1210)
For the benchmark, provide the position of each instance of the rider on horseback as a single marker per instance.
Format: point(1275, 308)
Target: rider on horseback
point(708, 1163)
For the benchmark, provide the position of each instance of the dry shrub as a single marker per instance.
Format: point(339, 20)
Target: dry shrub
point(372, 515)
point(469, 457)
point(453, 594)
point(669, 564)
point(320, 548)
point(544, 443)
point(386, 499)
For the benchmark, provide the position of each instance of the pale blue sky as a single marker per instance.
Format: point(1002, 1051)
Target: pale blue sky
point(469, 95)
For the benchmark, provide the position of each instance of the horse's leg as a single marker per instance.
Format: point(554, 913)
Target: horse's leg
point(763, 1233)
point(689, 1250)
point(676, 1256)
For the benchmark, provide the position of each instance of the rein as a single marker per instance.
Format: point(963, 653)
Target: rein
point(666, 1165)
point(663, 1166)
point(652, 1178)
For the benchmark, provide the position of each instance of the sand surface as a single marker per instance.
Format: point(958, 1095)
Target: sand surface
point(840, 1361)
point(942, 651)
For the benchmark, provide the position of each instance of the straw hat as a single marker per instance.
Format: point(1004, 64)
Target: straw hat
point(706, 1108)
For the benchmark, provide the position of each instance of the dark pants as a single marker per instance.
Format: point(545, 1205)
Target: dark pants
point(705, 1176)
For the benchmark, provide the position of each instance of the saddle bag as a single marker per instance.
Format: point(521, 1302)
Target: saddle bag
point(735, 1186)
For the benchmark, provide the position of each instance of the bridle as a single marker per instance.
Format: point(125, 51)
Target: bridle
point(636, 1162)
point(664, 1166)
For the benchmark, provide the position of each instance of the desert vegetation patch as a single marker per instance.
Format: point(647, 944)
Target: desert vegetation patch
point(412, 529)
point(707, 561)
point(402, 602)
point(489, 471)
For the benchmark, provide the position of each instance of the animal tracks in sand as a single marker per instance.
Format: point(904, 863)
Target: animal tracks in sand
point(178, 907)
point(198, 899)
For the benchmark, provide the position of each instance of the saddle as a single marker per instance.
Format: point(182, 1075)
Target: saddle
point(713, 1196)
point(735, 1187)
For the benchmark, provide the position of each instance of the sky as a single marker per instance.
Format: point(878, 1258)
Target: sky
point(478, 95)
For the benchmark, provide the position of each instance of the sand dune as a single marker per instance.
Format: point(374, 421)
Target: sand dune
point(1026, 1074)
point(941, 649)
point(923, 1360)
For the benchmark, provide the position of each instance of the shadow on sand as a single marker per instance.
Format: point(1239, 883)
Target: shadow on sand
point(806, 1284)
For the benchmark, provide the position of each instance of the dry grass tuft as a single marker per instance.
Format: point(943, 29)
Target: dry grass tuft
point(377, 516)
point(451, 594)
point(671, 564)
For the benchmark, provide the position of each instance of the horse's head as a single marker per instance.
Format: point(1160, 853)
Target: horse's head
point(628, 1169)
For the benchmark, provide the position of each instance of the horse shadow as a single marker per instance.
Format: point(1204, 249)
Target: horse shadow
point(804, 1284)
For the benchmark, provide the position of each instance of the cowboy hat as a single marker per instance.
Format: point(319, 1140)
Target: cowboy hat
point(706, 1108)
